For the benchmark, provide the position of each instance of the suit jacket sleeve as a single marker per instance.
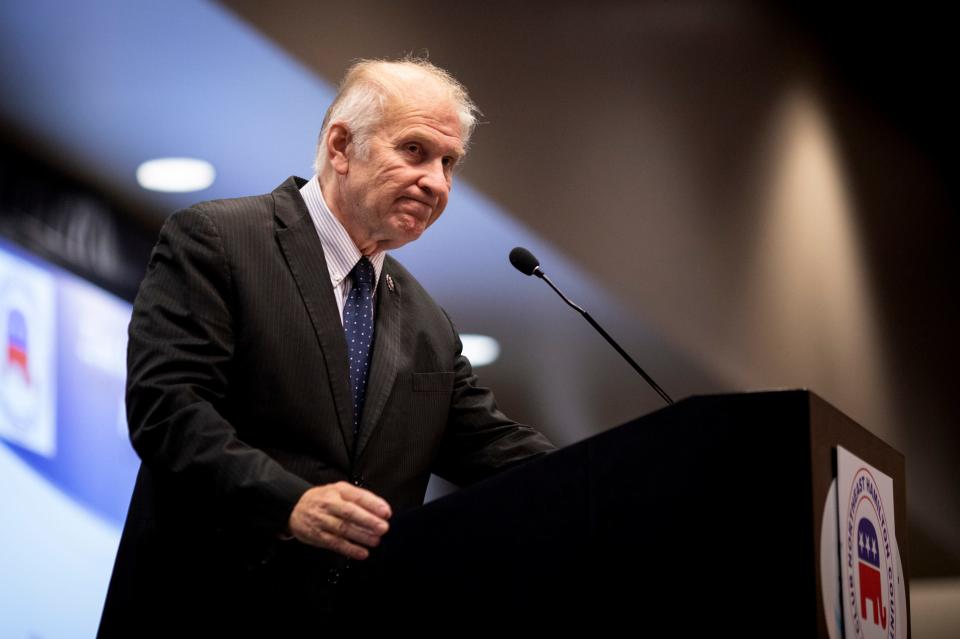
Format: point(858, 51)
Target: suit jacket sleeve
point(480, 441)
point(179, 357)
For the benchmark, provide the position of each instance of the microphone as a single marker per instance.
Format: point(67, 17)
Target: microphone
point(525, 262)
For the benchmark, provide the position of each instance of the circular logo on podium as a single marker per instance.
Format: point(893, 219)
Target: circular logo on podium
point(871, 561)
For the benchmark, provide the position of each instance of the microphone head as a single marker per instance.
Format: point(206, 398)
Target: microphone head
point(523, 260)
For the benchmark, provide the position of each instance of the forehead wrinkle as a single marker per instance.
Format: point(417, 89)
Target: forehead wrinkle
point(433, 112)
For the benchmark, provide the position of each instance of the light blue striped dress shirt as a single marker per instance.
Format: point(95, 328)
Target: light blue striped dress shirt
point(338, 249)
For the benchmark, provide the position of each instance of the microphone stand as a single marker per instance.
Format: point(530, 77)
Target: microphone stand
point(539, 273)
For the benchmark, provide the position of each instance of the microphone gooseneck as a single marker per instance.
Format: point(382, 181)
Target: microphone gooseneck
point(525, 262)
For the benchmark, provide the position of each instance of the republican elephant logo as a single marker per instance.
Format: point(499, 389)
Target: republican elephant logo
point(17, 344)
point(868, 551)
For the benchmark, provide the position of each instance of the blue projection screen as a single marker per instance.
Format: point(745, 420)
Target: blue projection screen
point(66, 465)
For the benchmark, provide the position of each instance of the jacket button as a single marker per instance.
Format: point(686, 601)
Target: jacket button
point(333, 576)
point(357, 480)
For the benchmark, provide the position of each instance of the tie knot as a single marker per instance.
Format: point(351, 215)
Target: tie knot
point(362, 273)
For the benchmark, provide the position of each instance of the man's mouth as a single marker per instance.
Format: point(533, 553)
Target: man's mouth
point(425, 208)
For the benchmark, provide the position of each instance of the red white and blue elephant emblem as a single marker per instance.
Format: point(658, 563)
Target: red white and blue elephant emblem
point(868, 551)
point(17, 344)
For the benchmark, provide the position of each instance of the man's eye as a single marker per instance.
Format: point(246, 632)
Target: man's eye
point(413, 148)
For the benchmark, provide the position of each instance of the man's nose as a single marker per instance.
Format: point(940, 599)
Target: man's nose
point(434, 179)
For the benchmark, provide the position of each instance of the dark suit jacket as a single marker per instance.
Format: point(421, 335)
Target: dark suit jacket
point(239, 400)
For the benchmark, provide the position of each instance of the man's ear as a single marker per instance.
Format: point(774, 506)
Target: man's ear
point(338, 140)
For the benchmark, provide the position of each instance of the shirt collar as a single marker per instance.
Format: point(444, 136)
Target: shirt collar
point(339, 250)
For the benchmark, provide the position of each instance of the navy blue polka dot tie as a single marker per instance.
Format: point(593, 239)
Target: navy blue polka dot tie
point(358, 326)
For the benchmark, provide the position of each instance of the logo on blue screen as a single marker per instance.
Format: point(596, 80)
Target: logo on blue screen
point(17, 345)
point(27, 376)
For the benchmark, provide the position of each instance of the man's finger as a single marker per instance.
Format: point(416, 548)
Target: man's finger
point(342, 546)
point(327, 524)
point(351, 512)
point(366, 499)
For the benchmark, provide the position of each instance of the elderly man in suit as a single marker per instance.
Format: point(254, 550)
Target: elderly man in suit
point(290, 385)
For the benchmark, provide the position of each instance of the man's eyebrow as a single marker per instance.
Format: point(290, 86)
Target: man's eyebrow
point(457, 152)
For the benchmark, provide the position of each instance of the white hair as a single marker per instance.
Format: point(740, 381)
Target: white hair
point(371, 88)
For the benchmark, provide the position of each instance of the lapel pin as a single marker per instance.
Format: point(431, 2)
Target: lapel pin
point(389, 282)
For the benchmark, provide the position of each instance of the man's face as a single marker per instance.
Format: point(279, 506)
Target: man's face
point(402, 185)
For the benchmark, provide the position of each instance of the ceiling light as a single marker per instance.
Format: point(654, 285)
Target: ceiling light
point(175, 175)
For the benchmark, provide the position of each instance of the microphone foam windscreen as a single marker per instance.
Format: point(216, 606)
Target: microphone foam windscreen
point(523, 260)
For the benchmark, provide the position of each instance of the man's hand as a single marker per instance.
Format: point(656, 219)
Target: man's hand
point(332, 516)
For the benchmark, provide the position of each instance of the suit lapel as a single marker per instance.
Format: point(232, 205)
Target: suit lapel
point(303, 251)
point(386, 355)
